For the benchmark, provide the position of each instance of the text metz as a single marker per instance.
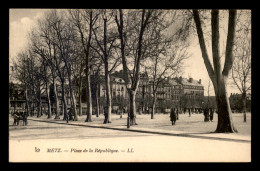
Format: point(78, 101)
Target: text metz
point(54, 150)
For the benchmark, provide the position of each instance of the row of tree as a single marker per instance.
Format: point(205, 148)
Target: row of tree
point(67, 45)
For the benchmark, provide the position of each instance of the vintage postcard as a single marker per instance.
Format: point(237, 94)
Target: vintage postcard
point(129, 85)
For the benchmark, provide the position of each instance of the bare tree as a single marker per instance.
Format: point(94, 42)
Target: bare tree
point(135, 29)
point(22, 74)
point(218, 76)
point(241, 69)
point(46, 78)
point(142, 20)
point(84, 21)
point(78, 75)
point(106, 50)
point(96, 68)
point(64, 39)
point(43, 45)
point(50, 43)
point(30, 73)
point(166, 52)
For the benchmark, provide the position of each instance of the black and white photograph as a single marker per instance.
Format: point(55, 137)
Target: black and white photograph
point(129, 85)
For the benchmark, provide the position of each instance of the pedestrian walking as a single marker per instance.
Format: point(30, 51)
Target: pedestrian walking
point(177, 114)
point(206, 114)
point(70, 114)
point(173, 116)
point(189, 112)
point(211, 114)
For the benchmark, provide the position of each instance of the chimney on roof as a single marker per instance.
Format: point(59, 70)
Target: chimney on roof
point(199, 81)
point(191, 80)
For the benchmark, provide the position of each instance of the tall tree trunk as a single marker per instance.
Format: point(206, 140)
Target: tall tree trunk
point(108, 96)
point(97, 100)
point(87, 70)
point(132, 107)
point(62, 108)
point(217, 76)
point(153, 106)
point(32, 108)
point(73, 100)
point(74, 107)
point(244, 104)
point(66, 117)
point(89, 99)
point(225, 122)
point(39, 105)
point(48, 101)
point(26, 101)
point(55, 89)
point(80, 102)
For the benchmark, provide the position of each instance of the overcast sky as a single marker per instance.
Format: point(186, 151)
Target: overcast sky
point(22, 20)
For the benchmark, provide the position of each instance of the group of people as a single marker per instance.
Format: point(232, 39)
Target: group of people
point(69, 116)
point(20, 115)
point(208, 115)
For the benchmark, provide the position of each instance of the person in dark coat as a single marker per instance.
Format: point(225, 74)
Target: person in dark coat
point(177, 114)
point(206, 114)
point(16, 118)
point(189, 112)
point(173, 116)
point(70, 114)
point(211, 114)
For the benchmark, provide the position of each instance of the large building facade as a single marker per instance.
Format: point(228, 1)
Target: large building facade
point(192, 95)
point(172, 92)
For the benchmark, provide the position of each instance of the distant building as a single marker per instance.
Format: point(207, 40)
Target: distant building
point(193, 92)
point(118, 92)
point(171, 92)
